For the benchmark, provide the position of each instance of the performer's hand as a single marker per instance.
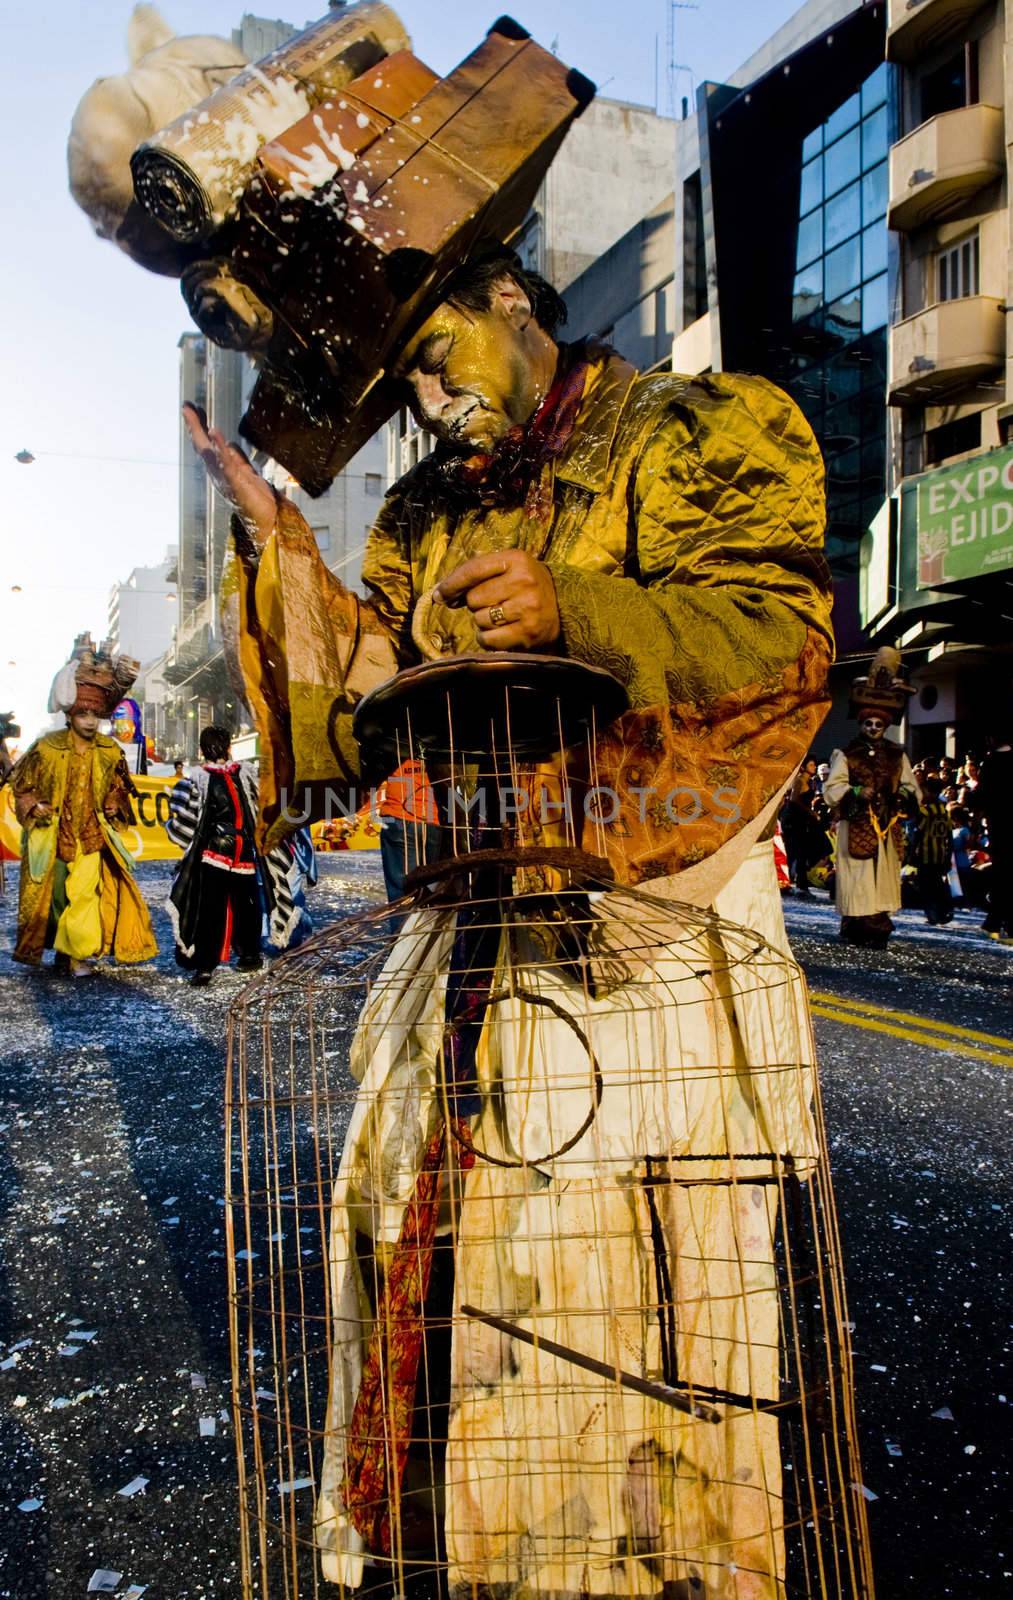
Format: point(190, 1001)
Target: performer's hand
point(521, 587)
point(41, 812)
point(865, 792)
point(236, 480)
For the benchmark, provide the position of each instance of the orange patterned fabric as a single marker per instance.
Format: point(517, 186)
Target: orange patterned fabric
point(686, 777)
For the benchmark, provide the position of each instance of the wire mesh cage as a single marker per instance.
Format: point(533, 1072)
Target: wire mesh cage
point(534, 1269)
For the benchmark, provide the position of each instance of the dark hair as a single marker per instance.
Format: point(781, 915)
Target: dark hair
point(933, 786)
point(471, 286)
point(215, 743)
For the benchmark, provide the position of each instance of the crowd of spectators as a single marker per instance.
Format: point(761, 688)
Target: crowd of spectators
point(959, 837)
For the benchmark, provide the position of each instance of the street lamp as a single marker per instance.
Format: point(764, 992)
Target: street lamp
point(25, 457)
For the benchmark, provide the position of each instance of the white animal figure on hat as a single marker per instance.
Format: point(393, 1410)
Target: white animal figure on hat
point(168, 74)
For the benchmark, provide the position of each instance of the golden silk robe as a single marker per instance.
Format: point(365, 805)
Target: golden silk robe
point(41, 774)
point(684, 534)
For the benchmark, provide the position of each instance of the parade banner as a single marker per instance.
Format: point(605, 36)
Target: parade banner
point(146, 841)
point(965, 519)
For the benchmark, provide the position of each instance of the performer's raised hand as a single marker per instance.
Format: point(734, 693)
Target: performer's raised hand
point(511, 596)
point(236, 480)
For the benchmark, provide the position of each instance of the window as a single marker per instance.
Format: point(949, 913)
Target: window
point(810, 238)
point(843, 216)
point(844, 268)
point(874, 193)
point(952, 439)
point(874, 138)
point(952, 85)
point(323, 537)
point(958, 269)
point(374, 485)
point(842, 163)
point(874, 250)
point(694, 254)
point(812, 187)
point(808, 291)
point(874, 89)
point(844, 316)
point(843, 118)
point(875, 304)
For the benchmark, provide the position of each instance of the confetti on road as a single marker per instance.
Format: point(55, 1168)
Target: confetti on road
point(103, 1581)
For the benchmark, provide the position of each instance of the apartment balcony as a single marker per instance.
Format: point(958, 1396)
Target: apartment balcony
point(939, 166)
point(945, 348)
point(914, 27)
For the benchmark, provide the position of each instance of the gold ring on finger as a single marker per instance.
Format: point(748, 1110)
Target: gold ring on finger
point(497, 616)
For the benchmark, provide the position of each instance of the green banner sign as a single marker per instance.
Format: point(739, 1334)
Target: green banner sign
point(965, 519)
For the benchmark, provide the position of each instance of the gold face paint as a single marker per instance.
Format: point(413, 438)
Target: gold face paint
point(470, 375)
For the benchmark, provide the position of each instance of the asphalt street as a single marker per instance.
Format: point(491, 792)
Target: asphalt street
point(116, 1450)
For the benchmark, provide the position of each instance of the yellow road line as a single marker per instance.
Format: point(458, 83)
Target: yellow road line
point(934, 1041)
point(867, 1006)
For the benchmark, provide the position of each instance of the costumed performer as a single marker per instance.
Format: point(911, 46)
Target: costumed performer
point(669, 529)
point(72, 796)
point(872, 788)
point(224, 885)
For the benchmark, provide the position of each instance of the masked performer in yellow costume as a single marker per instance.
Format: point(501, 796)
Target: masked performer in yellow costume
point(670, 530)
point(72, 796)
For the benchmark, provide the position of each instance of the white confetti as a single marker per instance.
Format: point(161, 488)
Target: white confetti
point(206, 1427)
point(293, 1484)
point(30, 1505)
point(135, 1486)
point(944, 1414)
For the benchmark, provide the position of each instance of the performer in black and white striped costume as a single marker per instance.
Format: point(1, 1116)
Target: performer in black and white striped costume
point(223, 883)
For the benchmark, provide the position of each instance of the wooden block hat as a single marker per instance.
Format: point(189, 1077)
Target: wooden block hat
point(884, 689)
point(92, 680)
point(353, 220)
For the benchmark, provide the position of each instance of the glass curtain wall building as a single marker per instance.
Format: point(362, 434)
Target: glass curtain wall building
point(836, 368)
point(794, 270)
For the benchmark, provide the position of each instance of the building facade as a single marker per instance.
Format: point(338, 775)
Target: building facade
point(938, 568)
point(142, 610)
point(783, 262)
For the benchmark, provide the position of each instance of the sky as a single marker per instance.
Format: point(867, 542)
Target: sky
point(89, 338)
